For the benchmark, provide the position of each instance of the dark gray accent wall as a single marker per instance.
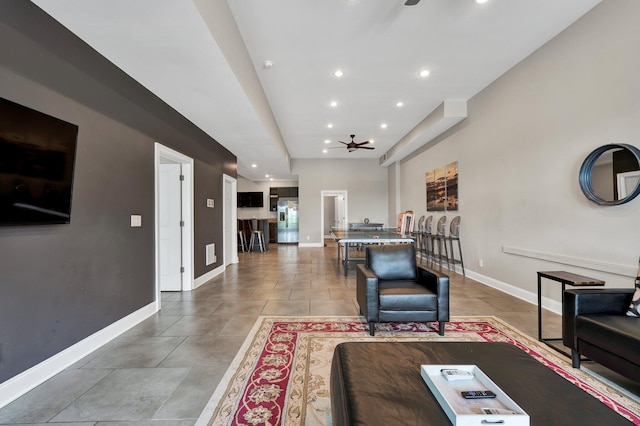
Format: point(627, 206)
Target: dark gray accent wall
point(62, 283)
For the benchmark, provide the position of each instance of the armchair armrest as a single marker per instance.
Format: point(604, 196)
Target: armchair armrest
point(367, 292)
point(613, 301)
point(439, 284)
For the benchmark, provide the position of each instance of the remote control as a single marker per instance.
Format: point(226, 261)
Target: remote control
point(452, 374)
point(478, 394)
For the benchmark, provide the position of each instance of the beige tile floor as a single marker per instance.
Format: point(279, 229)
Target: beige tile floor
point(164, 370)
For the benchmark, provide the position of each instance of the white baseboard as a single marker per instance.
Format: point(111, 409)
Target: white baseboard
point(208, 276)
point(38, 374)
point(311, 244)
point(528, 296)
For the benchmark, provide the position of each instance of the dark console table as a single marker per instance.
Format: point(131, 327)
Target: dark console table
point(564, 278)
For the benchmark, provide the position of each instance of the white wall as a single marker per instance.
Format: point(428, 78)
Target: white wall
point(521, 148)
point(364, 180)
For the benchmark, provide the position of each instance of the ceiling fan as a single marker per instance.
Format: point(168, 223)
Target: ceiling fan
point(353, 146)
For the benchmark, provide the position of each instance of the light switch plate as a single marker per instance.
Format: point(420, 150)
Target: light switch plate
point(136, 220)
point(210, 203)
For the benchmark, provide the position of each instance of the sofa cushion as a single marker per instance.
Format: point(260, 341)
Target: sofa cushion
point(617, 334)
point(392, 261)
point(406, 296)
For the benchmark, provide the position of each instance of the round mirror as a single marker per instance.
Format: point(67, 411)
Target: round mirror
point(610, 175)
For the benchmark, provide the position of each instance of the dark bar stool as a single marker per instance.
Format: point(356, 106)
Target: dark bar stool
point(454, 235)
point(439, 242)
point(420, 236)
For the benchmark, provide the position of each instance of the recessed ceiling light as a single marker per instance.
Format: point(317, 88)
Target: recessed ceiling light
point(372, 141)
point(338, 73)
point(254, 165)
point(268, 64)
point(399, 104)
point(383, 126)
point(334, 104)
point(271, 179)
point(324, 151)
point(266, 175)
point(481, 1)
point(424, 73)
point(327, 141)
point(330, 125)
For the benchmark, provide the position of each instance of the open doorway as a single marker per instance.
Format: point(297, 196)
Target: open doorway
point(173, 221)
point(334, 211)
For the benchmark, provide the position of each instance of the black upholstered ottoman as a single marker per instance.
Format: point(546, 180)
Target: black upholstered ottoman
point(379, 383)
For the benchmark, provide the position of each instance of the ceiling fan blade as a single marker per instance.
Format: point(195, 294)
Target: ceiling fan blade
point(366, 147)
point(411, 2)
point(343, 142)
point(363, 143)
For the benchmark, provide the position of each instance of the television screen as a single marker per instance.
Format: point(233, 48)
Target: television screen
point(37, 156)
point(250, 199)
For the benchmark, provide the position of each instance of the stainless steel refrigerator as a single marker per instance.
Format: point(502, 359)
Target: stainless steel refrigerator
point(287, 222)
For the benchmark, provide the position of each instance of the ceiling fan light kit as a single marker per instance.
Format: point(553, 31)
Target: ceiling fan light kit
point(354, 146)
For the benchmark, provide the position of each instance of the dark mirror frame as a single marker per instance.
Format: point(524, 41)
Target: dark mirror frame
point(587, 167)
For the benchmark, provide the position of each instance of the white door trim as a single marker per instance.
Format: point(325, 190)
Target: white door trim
point(230, 219)
point(332, 193)
point(161, 151)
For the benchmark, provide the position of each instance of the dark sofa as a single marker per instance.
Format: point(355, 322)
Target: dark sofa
point(595, 325)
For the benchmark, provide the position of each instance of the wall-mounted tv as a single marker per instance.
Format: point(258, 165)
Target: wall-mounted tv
point(37, 157)
point(250, 199)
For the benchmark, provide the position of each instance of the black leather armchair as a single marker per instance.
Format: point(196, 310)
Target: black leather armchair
point(391, 287)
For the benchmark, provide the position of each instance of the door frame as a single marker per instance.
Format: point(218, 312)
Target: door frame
point(160, 152)
point(332, 193)
point(230, 220)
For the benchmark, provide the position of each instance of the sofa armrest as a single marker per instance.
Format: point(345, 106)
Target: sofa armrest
point(439, 284)
point(367, 292)
point(613, 301)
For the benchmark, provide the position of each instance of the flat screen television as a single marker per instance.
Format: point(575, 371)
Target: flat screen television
point(37, 157)
point(250, 199)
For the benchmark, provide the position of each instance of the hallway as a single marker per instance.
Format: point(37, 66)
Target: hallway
point(164, 370)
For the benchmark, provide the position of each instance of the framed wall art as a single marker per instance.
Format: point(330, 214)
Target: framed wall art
point(442, 188)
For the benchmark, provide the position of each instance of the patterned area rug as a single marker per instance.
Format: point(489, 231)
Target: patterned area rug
point(281, 374)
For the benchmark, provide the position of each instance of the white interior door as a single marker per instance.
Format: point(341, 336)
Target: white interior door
point(339, 208)
point(170, 218)
point(230, 220)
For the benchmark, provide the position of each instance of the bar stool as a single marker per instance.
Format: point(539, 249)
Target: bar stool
point(420, 236)
point(257, 236)
point(439, 238)
point(427, 238)
point(454, 235)
point(242, 241)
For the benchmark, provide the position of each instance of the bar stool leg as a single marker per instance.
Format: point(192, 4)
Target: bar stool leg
point(242, 242)
point(252, 241)
point(432, 251)
point(446, 253)
point(461, 261)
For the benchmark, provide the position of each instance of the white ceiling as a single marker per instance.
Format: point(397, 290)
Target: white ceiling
point(205, 58)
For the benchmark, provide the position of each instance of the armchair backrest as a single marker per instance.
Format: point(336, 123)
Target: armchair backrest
point(392, 261)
